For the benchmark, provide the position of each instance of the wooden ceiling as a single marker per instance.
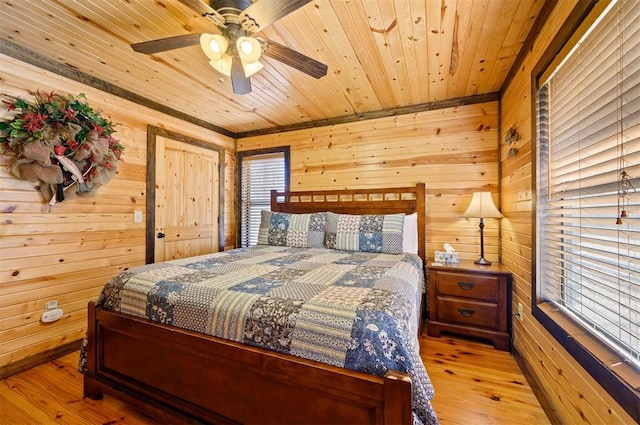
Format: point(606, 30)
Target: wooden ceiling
point(381, 54)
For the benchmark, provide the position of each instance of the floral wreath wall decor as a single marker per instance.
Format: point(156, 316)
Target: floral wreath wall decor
point(60, 142)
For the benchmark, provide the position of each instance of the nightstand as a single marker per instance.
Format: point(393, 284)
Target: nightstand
point(472, 300)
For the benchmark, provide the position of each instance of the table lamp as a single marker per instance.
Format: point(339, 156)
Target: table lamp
point(482, 207)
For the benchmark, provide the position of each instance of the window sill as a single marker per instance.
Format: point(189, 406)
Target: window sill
point(615, 375)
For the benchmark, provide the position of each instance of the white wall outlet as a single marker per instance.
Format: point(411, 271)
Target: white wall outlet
point(137, 216)
point(52, 315)
point(520, 312)
point(51, 312)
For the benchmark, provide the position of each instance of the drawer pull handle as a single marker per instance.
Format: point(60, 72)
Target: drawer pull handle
point(466, 312)
point(466, 286)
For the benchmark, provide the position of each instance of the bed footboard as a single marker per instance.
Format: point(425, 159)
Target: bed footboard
point(219, 381)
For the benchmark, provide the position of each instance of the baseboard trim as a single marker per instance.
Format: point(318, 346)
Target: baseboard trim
point(38, 359)
point(543, 398)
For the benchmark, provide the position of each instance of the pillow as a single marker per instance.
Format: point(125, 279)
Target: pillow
point(293, 230)
point(365, 233)
point(410, 234)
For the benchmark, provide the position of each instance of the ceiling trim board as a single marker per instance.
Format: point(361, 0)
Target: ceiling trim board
point(383, 113)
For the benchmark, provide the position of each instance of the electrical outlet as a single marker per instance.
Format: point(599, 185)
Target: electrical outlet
point(52, 312)
point(52, 315)
point(520, 312)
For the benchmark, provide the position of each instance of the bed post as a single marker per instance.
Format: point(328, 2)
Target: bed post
point(420, 209)
point(91, 388)
point(397, 398)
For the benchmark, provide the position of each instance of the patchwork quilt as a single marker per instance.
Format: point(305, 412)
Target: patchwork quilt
point(356, 310)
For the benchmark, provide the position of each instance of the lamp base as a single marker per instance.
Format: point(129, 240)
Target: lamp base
point(483, 261)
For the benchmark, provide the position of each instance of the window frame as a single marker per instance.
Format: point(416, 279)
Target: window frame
point(584, 348)
point(240, 156)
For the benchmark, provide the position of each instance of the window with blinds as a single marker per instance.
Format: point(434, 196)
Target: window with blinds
point(588, 118)
point(260, 172)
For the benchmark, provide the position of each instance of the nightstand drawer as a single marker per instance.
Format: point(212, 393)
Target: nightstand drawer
point(468, 286)
point(467, 313)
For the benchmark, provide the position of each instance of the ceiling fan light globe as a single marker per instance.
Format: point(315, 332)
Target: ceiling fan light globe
point(251, 68)
point(222, 65)
point(213, 45)
point(218, 43)
point(248, 49)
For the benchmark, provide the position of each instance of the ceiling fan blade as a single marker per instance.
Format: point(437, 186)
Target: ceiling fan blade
point(262, 13)
point(241, 84)
point(295, 59)
point(169, 43)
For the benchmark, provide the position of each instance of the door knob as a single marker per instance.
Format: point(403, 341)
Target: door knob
point(160, 235)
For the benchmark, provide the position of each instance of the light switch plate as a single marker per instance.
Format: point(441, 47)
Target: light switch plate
point(137, 216)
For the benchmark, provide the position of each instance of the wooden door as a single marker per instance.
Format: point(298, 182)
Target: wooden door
point(187, 200)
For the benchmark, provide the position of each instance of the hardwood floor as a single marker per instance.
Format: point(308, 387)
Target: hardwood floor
point(475, 384)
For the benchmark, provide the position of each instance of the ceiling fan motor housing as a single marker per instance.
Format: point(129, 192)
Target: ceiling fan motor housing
point(234, 32)
point(230, 9)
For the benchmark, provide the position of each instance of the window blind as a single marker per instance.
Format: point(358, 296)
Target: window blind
point(588, 114)
point(259, 175)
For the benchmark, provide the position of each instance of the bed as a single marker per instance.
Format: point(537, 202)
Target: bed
point(282, 332)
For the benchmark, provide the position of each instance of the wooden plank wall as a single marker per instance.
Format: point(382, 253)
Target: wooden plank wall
point(575, 395)
point(453, 150)
point(69, 253)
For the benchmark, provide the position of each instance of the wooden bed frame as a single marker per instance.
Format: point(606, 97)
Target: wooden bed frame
point(204, 378)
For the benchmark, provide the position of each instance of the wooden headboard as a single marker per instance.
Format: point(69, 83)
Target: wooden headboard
point(357, 201)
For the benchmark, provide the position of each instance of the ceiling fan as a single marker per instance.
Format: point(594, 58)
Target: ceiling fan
point(236, 46)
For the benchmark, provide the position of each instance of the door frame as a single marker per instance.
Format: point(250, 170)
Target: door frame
point(152, 134)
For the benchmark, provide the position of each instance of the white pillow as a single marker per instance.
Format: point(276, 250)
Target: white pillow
point(410, 234)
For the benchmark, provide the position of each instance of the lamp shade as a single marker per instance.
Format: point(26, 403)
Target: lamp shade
point(482, 206)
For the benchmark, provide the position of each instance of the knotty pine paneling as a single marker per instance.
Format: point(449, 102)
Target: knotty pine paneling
point(574, 394)
point(454, 151)
point(381, 54)
point(69, 253)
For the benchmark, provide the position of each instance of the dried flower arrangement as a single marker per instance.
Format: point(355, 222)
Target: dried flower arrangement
point(60, 142)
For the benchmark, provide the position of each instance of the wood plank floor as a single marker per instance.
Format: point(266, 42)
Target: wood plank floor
point(474, 383)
